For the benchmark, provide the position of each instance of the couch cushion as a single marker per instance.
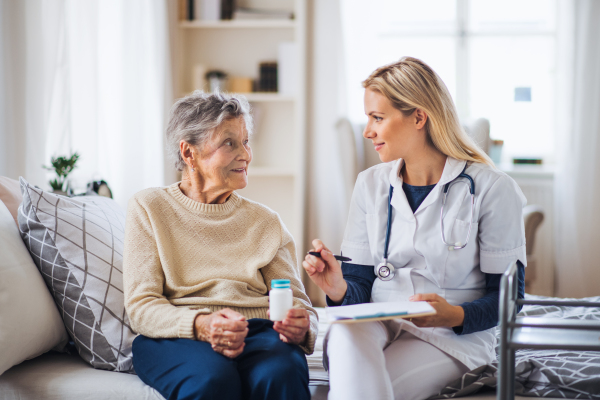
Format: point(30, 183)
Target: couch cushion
point(68, 377)
point(77, 244)
point(10, 195)
point(29, 321)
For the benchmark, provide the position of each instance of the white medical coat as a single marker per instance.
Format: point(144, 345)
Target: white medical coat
point(423, 263)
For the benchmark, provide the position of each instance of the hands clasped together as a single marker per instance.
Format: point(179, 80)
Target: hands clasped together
point(326, 272)
point(226, 329)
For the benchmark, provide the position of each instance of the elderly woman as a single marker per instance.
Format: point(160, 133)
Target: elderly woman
point(198, 264)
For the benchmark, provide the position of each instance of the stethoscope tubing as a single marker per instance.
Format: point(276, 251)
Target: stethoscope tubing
point(389, 225)
point(451, 246)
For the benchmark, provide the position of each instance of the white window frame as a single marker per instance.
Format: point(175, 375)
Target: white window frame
point(463, 53)
point(463, 35)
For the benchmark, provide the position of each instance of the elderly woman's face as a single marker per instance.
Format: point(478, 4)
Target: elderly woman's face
point(224, 159)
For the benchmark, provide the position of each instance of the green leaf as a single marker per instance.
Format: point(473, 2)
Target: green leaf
point(63, 166)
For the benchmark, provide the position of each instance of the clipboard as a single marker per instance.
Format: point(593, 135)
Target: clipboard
point(378, 311)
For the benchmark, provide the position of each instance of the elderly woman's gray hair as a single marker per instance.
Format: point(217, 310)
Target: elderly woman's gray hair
point(194, 118)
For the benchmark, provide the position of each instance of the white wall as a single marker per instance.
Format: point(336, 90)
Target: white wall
point(327, 201)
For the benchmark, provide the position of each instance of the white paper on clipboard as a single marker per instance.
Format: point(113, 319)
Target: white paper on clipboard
point(378, 311)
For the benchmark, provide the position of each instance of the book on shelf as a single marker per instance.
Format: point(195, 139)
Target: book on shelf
point(527, 160)
point(244, 13)
point(287, 68)
point(216, 10)
point(182, 10)
point(227, 9)
point(190, 10)
point(205, 10)
point(208, 10)
point(267, 80)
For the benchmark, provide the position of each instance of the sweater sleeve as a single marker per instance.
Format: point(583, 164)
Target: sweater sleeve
point(149, 311)
point(483, 313)
point(284, 265)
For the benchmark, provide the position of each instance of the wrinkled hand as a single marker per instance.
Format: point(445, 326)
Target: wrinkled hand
point(294, 327)
point(326, 272)
point(225, 330)
point(447, 315)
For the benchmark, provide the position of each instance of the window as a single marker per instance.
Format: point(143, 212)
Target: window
point(497, 60)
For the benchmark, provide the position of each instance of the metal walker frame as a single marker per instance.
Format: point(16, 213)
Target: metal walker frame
point(536, 332)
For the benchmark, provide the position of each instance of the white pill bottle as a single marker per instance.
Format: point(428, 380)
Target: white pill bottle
point(281, 299)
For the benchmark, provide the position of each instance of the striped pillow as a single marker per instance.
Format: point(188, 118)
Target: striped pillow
point(77, 244)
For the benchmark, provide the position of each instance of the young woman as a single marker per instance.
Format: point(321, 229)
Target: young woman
point(435, 222)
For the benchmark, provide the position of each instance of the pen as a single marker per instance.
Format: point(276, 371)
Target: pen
point(339, 258)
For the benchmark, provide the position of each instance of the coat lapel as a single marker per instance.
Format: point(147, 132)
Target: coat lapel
point(399, 201)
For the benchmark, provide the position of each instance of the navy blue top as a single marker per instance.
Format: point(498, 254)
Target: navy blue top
point(416, 194)
point(480, 314)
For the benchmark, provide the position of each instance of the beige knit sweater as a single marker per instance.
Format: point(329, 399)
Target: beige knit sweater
point(184, 258)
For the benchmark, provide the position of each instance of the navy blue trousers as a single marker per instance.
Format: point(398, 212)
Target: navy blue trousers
point(191, 369)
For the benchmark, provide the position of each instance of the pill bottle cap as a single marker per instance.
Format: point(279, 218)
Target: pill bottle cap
point(280, 284)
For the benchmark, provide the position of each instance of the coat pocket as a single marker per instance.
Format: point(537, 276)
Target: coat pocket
point(461, 261)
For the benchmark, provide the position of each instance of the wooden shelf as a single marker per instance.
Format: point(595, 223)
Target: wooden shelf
point(270, 172)
point(239, 24)
point(277, 174)
point(267, 97)
point(528, 171)
point(256, 97)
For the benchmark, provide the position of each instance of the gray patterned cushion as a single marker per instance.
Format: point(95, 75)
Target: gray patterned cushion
point(77, 244)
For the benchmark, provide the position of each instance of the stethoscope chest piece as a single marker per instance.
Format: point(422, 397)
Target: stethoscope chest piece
point(385, 271)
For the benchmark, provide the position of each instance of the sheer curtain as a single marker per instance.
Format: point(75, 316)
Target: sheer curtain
point(29, 37)
point(578, 177)
point(86, 76)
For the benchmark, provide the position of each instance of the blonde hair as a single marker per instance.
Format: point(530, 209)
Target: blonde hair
point(410, 84)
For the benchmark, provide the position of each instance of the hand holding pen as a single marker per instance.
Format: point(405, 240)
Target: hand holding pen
point(325, 271)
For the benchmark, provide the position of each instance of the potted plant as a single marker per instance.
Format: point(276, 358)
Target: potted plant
point(63, 166)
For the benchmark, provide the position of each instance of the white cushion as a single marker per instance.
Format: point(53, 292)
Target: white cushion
point(60, 376)
point(30, 324)
point(77, 244)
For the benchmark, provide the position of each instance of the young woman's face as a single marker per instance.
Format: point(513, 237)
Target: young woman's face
point(224, 159)
point(392, 133)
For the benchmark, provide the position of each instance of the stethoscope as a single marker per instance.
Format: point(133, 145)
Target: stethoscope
point(385, 270)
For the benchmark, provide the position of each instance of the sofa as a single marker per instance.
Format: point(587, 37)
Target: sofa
point(63, 376)
point(59, 277)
